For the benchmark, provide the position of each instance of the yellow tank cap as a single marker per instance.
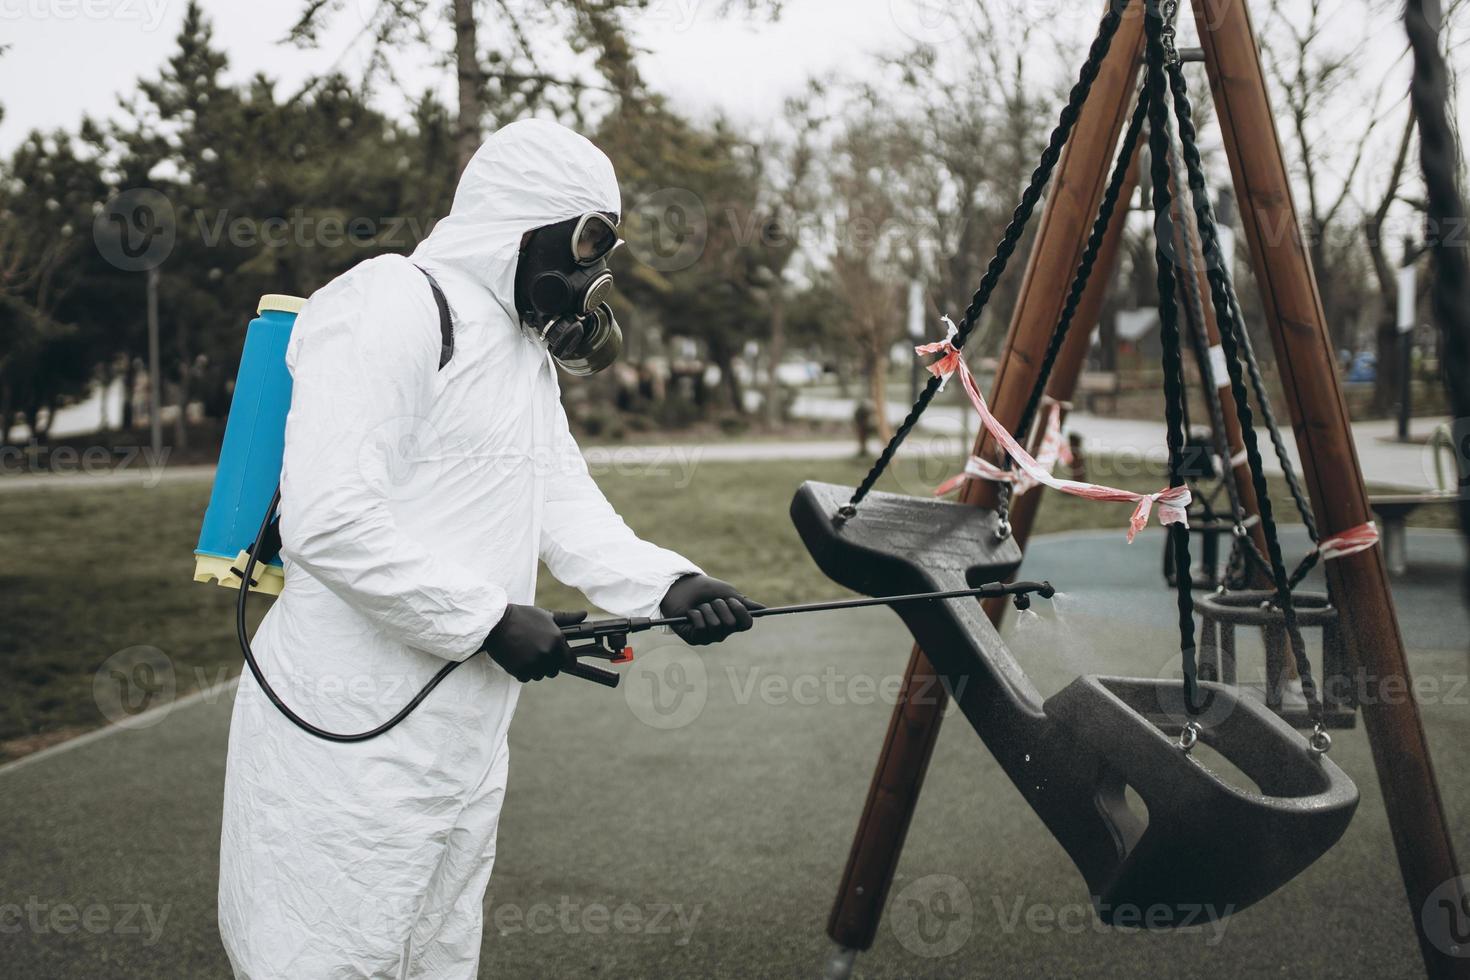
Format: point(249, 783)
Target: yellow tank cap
point(221, 571)
point(280, 303)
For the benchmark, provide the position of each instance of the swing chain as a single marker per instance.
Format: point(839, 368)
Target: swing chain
point(1221, 290)
point(1170, 10)
point(1003, 511)
point(1319, 741)
point(1189, 735)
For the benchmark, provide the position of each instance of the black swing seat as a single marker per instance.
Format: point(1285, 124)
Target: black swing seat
point(1205, 848)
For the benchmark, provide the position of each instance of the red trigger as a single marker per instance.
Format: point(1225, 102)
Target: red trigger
point(625, 657)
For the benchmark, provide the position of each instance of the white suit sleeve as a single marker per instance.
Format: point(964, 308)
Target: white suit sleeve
point(363, 357)
point(587, 546)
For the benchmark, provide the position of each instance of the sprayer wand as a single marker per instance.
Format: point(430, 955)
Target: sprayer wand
point(607, 639)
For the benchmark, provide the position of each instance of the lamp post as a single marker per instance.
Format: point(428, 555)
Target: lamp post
point(155, 396)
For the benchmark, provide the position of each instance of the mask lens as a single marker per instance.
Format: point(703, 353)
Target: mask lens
point(595, 237)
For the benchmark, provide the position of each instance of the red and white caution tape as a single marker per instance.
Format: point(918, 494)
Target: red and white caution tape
point(1053, 449)
point(1349, 542)
point(1172, 501)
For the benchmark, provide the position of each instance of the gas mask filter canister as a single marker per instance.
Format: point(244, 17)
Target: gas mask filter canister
point(562, 287)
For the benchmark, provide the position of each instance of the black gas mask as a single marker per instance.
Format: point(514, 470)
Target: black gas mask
point(562, 288)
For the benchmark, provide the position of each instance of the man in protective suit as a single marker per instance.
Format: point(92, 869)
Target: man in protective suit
point(418, 491)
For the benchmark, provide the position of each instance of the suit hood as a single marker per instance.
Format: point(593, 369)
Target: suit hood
point(531, 173)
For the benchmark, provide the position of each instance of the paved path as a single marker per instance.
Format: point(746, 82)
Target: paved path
point(724, 808)
point(1385, 462)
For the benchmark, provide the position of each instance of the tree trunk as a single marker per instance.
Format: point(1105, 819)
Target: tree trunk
point(775, 350)
point(107, 377)
point(1441, 160)
point(44, 435)
point(181, 422)
point(130, 381)
point(1107, 340)
point(467, 65)
point(7, 412)
point(732, 383)
point(873, 367)
point(1386, 378)
point(1386, 334)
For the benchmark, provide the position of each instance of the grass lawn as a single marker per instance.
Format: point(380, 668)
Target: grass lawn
point(90, 572)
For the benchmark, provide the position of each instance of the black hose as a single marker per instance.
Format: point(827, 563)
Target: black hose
point(243, 634)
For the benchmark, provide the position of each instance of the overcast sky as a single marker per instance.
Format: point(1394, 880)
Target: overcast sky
point(73, 56)
point(67, 57)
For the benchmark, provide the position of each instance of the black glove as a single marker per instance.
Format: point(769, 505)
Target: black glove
point(528, 641)
point(715, 609)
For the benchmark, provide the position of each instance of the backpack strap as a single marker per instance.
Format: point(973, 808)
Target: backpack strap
point(446, 319)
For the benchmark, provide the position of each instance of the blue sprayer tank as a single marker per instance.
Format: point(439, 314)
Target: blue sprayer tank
point(250, 458)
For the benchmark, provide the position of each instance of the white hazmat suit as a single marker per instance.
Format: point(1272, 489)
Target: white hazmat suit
point(415, 504)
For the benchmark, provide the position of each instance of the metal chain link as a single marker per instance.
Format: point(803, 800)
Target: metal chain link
point(1169, 10)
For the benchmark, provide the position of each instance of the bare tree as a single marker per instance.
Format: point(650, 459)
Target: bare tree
point(787, 169)
point(506, 80)
point(1386, 333)
point(975, 129)
point(1331, 137)
point(871, 247)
